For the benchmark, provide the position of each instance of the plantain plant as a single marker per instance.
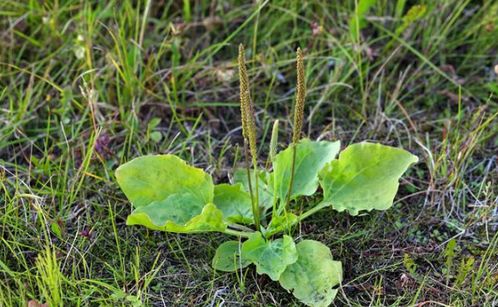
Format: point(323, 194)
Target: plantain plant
point(260, 207)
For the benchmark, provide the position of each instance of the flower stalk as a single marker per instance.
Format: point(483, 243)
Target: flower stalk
point(298, 117)
point(249, 132)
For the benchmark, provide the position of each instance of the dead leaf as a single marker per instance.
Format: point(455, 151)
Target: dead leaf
point(35, 303)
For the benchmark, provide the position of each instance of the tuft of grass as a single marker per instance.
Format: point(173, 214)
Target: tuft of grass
point(87, 85)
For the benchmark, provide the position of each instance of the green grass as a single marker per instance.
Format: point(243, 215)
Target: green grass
point(86, 86)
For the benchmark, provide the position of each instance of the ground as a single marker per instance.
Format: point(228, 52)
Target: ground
point(88, 85)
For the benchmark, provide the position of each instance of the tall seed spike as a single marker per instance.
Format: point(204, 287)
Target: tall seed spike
point(251, 127)
point(247, 109)
point(300, 95)
point(298, 117)
point(244, 88)
point(249, 130)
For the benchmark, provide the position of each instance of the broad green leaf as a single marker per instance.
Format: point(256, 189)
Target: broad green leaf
point(150, 179)
point(264, 190)
point(227, 257)
point(179, 208)
point(311, 157)
point(365, 177)
point(312, 277)
point(270, 257)
point(234, 202)
point(178, 213)
point(281, 223)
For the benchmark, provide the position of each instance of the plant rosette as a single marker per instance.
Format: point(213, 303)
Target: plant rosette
point(259, 206)
point(169, 195)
